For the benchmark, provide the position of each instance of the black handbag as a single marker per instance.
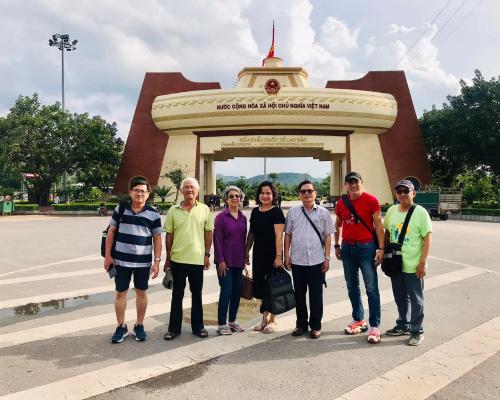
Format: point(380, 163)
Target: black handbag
point(121, 210)
point(392, 264)
point(280, 291)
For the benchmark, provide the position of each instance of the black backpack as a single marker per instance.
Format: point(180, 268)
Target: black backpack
point(121, 210)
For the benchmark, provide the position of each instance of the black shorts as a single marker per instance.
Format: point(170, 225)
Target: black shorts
point(124, 275)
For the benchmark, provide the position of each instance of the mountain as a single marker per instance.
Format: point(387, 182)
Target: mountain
point(285, 178)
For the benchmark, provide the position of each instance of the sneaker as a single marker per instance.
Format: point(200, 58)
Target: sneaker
point(374, 335)
point(416, 339)
point(356, 327)
point(397, 331)
point(139, 333)
point(120, 334)
point(235, 327)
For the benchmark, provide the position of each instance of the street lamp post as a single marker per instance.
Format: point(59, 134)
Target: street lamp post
point(63, 42)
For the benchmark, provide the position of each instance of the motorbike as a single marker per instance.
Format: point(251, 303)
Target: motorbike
point(102, 211)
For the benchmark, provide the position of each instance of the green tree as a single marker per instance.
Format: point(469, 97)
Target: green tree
point(177, 173)
point(324, 187)
point(220, 185)
point(274, 177)
point(100, 152)
point(47, 141)
point(41, 140)
point(163, 192)
point(465, 133)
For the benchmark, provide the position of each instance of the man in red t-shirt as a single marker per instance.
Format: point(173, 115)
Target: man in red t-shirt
point(359, 251)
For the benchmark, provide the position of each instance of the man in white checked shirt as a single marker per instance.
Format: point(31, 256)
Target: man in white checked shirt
point(308, 231)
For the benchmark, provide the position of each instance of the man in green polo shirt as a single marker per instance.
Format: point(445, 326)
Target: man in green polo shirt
point(189, 227)
point(408, 286)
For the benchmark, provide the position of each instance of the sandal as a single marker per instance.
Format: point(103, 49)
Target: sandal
point(170, 336)
point(270, 327)
point(260, 326)
point(224, 330)
point(202, 333)
point(235, 327)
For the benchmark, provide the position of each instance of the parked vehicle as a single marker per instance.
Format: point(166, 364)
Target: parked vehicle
point(439, 202)
point(102, 210)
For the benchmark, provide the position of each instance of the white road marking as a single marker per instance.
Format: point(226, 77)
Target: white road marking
point(92, 257)
point(75, 293)
point(421, 377)
point(56, 275)
point(123, 374)
point(24, 335)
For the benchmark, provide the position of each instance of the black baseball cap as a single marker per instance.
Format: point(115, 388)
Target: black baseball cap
point(352, 175)
point(405, 183)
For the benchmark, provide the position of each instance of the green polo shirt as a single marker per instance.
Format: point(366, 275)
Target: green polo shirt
point(189, 230)
point(418, 228)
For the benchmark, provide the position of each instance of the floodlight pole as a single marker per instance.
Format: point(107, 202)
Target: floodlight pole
point(62, 42)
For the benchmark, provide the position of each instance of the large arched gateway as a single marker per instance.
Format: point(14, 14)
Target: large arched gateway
point(368, 125)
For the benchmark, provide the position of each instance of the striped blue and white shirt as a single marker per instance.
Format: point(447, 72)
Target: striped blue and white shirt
point(134, 239)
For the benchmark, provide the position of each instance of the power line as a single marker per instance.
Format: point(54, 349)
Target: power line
point(449, 19)
point(473, 9)
point(440, 29)
point(422, 34)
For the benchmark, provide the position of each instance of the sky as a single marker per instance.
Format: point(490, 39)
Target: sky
point(436, 43)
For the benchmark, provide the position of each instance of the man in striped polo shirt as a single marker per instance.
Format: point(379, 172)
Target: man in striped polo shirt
point(138, 234)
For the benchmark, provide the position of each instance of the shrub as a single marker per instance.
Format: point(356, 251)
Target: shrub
point(481, 211)
point(25, 207)
point(82, 206)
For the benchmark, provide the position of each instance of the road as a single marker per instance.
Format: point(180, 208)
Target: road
point(56, 320)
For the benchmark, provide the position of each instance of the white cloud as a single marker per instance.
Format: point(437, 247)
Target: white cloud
point(337, 37)
point(394, 28)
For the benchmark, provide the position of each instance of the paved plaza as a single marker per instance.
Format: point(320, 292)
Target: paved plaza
point(57, 318)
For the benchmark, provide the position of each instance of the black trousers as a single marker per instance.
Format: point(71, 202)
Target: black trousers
point(194, 274)
point(308, 277)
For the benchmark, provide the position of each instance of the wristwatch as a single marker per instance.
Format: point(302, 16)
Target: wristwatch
point(381, 248)
point(329, 258)
point(157, 259)
point(336, 246)
point(207, 254)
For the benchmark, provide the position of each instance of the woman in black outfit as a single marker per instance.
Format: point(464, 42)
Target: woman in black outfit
point(267, 223)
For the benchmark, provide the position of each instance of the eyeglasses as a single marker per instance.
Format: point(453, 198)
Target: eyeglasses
point(308, 191)
point(139, 191)
point(234, 196)
point(402, 191)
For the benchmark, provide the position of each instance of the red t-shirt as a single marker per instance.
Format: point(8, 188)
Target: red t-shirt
point(366, 205)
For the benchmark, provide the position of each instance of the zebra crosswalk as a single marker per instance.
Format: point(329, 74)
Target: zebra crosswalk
point(417, 378)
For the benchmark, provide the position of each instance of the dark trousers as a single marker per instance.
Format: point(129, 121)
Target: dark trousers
point(230, 293)
point(308, 277)
point(408, 292)
point(194, 274)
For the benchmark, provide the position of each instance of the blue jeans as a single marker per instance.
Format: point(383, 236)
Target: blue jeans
point(357, 257)
point(230, 293)
point(408, 292)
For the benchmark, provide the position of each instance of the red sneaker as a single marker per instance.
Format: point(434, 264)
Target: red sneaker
point(374, 335)
point(356, 327)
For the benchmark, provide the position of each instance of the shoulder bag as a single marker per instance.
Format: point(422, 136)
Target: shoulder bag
point(392, 264)
point(357, 218)
point(314, 227)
